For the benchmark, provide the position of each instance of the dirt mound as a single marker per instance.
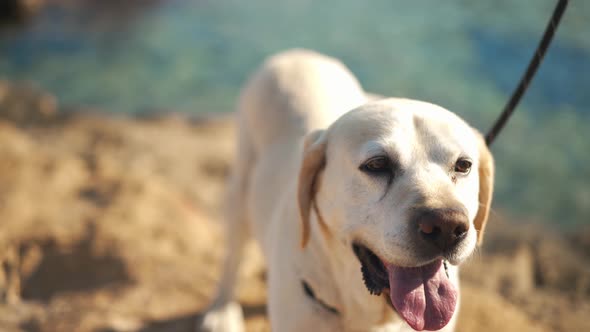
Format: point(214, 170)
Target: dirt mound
point(541, 272)
point(112, 224)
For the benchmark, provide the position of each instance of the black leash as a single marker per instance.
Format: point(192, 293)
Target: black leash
point(311, 294)
point(530, 72)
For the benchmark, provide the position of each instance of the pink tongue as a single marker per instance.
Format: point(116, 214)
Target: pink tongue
point(423, 296)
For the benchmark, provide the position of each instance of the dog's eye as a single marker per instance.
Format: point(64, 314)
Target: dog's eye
point(463, 166)
point(377, 165)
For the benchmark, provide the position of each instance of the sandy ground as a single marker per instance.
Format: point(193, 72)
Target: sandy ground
point(113, 224)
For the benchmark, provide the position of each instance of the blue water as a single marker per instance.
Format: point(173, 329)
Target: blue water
point(563, 79)
point(192, 56)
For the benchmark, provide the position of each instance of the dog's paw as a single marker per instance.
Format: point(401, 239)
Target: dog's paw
point(227, 318)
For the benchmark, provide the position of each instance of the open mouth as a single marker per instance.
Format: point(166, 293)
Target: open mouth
point(374, 272)
point(424, 296)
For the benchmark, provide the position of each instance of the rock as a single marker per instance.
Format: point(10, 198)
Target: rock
point(23, 104)
point(17, 10)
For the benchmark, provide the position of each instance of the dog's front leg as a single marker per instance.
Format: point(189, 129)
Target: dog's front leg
point(225, 313)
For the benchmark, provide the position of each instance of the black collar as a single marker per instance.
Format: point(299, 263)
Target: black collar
point(311, 294)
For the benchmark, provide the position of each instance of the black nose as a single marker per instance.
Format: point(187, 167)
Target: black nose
point(443, 228)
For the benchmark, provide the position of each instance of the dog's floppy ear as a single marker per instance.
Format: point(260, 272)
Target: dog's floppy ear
point(314, 159)
point(486, 187)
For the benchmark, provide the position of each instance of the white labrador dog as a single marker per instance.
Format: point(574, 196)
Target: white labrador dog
point(363, 209)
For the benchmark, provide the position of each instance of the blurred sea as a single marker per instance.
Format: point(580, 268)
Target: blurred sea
point(192, 56)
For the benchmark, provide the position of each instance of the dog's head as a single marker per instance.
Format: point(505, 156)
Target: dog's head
point(408, 186)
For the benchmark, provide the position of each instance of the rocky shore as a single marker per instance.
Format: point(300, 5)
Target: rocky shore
point(112, 223)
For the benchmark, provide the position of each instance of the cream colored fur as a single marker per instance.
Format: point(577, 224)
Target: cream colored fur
point(277, 180)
